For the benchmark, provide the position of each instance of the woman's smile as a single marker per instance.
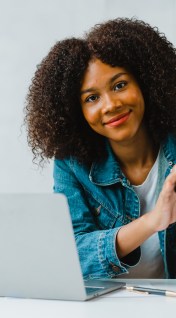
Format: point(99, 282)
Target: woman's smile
point(118, 120)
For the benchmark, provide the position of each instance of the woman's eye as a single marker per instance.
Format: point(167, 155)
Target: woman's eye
point(91, 99)
point(120, 85)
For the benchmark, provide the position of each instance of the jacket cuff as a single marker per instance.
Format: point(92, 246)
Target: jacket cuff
point(107, 253)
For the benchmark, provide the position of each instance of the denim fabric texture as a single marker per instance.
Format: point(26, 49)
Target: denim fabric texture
point(101, 201)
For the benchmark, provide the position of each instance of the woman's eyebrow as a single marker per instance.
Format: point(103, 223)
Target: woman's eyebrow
point(91, 89)
point(116, 76)
point(110, 81)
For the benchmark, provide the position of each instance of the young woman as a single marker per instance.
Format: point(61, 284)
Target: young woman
point(104, 107)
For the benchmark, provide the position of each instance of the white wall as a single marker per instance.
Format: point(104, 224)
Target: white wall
point(27, 31)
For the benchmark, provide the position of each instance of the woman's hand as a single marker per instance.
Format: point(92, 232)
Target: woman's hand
point(164, 212)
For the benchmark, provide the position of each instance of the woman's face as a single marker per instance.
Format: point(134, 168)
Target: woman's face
point(112, 102)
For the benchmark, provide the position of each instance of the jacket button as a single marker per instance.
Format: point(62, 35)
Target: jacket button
point(97, 210)
point(115, 268)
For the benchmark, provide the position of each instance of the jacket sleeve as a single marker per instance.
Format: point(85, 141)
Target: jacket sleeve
point(96, 248)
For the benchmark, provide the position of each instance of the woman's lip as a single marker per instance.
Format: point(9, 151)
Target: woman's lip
point(119, 120)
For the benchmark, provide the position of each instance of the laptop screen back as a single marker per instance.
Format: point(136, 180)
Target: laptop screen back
point(37, 247)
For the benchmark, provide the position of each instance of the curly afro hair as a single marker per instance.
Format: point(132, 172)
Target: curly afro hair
point(55, 124)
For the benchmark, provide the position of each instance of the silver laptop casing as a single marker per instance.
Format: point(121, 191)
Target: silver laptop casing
point(38, 254)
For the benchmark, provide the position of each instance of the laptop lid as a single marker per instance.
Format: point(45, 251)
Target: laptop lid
point(38, 253)
point(39, 256)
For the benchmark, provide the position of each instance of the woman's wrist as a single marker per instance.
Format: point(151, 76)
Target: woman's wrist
point(133, 234)
point(151, 222)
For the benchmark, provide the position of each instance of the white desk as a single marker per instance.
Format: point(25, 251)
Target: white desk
point(110, 305)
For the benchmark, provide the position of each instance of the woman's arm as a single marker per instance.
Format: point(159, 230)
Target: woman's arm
point(132, 235)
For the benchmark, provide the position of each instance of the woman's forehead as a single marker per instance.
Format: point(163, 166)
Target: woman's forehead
point(98, 70)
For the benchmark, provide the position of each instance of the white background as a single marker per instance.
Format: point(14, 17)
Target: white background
point(28, 29)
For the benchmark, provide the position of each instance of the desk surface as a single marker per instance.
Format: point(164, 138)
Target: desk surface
point(112, 304)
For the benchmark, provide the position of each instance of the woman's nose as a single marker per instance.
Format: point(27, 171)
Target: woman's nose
point(110, 104)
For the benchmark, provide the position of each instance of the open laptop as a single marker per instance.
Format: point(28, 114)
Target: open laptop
point(38, 254)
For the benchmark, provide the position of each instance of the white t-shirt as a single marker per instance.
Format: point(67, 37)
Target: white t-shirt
point(151, 262)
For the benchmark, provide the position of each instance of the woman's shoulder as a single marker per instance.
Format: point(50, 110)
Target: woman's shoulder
point(70, 164)
point(171, 140)
point(169, 147)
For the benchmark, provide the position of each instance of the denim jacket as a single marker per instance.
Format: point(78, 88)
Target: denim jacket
point(101, 201)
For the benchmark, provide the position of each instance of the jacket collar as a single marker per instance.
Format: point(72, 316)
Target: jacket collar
point(106, 172)
point(169, 148)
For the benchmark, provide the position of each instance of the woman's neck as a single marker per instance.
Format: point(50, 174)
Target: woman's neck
point(136, 156)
